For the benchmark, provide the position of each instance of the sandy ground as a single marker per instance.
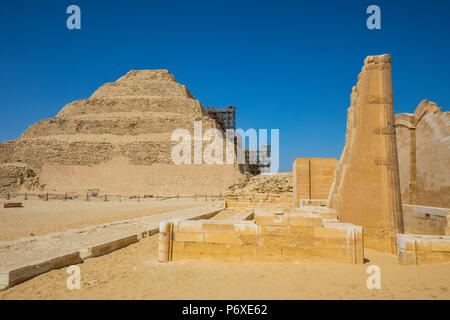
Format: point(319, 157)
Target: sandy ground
point(135, 273)
point(39, 217)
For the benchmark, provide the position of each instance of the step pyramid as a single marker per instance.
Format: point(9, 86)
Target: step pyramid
point(118, 141)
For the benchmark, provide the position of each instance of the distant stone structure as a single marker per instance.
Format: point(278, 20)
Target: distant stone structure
point(423, 144)
point(366, 190)
point(312, 179)
point(117, 141)
point(265, 190)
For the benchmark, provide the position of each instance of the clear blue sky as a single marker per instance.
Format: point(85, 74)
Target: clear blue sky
point(288, 65)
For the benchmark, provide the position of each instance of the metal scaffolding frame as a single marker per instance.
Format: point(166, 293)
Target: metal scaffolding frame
point(225, 117)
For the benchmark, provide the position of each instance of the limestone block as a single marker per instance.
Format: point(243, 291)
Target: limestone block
point(304, 231)
point(177, 246)
point(251, 239)
point(299, 241)
point(113, 245)
point(251, 250)
point(268, 219)
point(17, 275)
point(247, 229)
point(421, 249)
point(188, 226)
point(305, 220)
point(406, 243)
point(424, 220)
point(188, 236)
point(166, 226)
point(193, 248)
point(227, 238)
point(440, 245)
point(328, 215)
point(210, 227)
point(332, 232)
point(419, 244)
point(269, 230)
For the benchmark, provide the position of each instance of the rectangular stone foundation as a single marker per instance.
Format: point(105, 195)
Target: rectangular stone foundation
point(313, 202)
point(260, 200)
point(425, 220)
point(422, 249)
point(270, 237)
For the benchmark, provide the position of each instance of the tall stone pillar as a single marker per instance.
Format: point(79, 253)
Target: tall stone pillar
point(366, 190)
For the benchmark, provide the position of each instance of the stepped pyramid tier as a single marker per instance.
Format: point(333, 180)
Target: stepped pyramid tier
point(366, 188)
point(118, 141)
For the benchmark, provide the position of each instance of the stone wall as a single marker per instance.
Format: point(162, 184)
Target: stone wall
point(366, 189)
point(425, 220)
point(259, 198)
point(423, 144)
point(288, 237)
point(421, 249)
point(312, 178)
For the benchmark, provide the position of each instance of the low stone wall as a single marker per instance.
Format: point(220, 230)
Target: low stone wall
point(426, 220)
point(270, 237)
point(260, 197)
point(421, 249)
point(328, 215)
point(313, 202)
point(260, 200)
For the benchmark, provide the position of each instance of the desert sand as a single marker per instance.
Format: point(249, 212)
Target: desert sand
point(134, 273)
point(38, 218)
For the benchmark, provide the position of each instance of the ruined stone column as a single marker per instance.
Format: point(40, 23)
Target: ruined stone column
point(165, 241)
point(366, 190)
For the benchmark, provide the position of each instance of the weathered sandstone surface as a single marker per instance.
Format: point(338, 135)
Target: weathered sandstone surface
point(423, 144)
point(312, 178)
point(266, 183)
point(366, 190)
